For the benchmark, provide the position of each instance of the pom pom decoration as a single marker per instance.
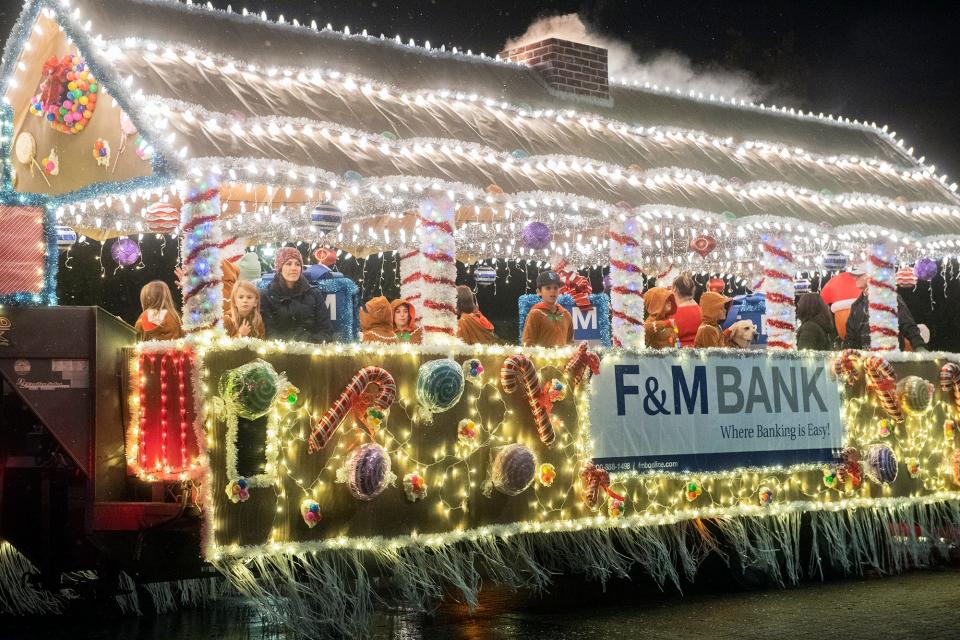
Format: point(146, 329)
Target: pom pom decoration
point(626, 284)
point(251, 389)
point(547, 474)
point(439, 385)
point(950, 381)
point(595, 487)
point(161, 217)
point(949, 428)
point(915, 394)
point(473, 371)
point(51, 164)
point(831, 479)
point(615, 508)
point(237, 490)
point(883, 380)
point(692, 490)
point(906, 278)
point(513, 470)
point(703, 245)
point(353, 398)
point(310, 511)
point(518, 371)
point(913, 466)
point(485, 275)
point(834, 261)
point(326, 217)
point(925, 269)
point(67, 96)
point(765, 494)
point(101, 152)
point(125, 252)
point(414, 486)
point(142, 148)
point(881, 464)
point(580, 364)
point(557, 391)
point(884, 428)
point(847, 366)
point(367, 471)
point(536, 235)
point(849, 468)
point(467, 432)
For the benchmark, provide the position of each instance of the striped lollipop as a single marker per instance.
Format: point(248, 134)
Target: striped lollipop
point(950, 381)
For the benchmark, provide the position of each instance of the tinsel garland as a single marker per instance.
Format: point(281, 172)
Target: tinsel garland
point(200, 254)
point(428, 273)
point(882, 298)
point(778, 285)
point(626, 278)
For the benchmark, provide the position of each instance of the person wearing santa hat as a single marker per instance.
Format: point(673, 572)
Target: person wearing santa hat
point(291, 308)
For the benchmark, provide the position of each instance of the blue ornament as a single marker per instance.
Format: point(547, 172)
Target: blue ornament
point(326, 217)
point(439, 385)
point(519, 154)
point(65, 236)
point(485, 275)
point(352, 176)
point(315, 507)
point(881, 464)
point(801, 286)
point(834, 261)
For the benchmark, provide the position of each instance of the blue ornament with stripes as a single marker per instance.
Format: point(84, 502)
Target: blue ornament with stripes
point(881, 464)
point(801, 286)
point(439, 385)
point(485, 275)
point(326, 217)
point(834, 261)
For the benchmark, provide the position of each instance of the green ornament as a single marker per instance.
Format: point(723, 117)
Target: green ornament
point(94, 88)
point(251, 389)
point(292, 398)
point(729, 215)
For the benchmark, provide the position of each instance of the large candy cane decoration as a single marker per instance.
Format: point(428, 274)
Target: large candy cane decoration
point(626, 284)
point(518, 370)
point(349, 399)
point(882, 299)
point(779, 289)
point(882, 377)
point(581, 363)
point(596, 486)
point(950, 380)
point(846, 366)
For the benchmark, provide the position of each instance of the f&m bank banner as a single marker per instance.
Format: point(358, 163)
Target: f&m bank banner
point(711, 413)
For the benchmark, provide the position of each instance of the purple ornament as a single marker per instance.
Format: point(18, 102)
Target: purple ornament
point(537, 235)
point(881, 464)
point(368, 471)
point(125, 252)
point(925, 269)
point(513, 469)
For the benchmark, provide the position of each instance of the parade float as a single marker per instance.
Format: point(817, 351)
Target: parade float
point(335, 477)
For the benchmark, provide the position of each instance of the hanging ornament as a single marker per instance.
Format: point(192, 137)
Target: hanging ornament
point(512, 470)
point(925, 269)
point(519, 154)
point(801, 286)
point(439, 386)
point(125, 252)
point(51, 164)
point(485, 275)
point(352, 177)
point(414, 486)
point(251, 389)
point(906, 278)
point(367, 471)
point(67, 94)
point(537, 235)
point(161, 217)
point(101, 152)
point(703, 245)
point(834, 261)
point(915, 394)
point(881, 464)
point(65, 236)
point(473, 371)
point(310, 511)
point(326, 217)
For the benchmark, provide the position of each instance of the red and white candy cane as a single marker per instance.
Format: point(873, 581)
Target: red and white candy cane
point(580, 363)
point(950, 381)
point(348, 400)
point(847, 365)
point(882, 377)
point(518, 370)
point(779, 271)
point(596, 486)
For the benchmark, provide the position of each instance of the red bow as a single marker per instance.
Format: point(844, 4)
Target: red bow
point(575, 285)
point(55, 76)
point(594, 481)
point(580, 362)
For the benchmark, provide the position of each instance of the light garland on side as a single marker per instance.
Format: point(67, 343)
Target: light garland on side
point(882, 298)
point(779, 273)
point(626, 280)
point(200, 254)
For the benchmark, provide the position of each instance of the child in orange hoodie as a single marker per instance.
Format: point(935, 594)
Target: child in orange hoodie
point(405, 327)
point(472, 326)
point(548, 324)
point(659, 328)
point(376, 321)
point(159, 320)
point(713, 310)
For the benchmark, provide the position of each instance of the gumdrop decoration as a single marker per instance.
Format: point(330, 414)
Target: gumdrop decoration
point(310, 511)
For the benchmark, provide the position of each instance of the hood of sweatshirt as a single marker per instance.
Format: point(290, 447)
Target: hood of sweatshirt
point(660, 303)
point(376, 315)
point(713, 307)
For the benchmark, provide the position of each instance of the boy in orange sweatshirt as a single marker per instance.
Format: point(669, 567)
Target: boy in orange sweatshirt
point(660, 330)
point(713, 310)
point(548, 324)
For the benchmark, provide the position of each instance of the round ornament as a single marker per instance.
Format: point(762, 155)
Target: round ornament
point(368, 471)
point(485, 275)
point(310, 511)
point(925, 269)
point(327, 256)
point(881, 464)
point(250, 389)
point(547, 474)
point(473, 371)
point(65, 236)
point(439, 385)
point(716, 285)
point(519, 154)
point(765, 495)
point(801, 286)
point(414, 486)
point(834, 261)
point(68, 94)
point(906, 278)
point(915, 394)
point(703, 245)
point(161, 217)
point(125, 252)
point(326, 217)
point(537, 235)
point(352, 177)
point(513, 469)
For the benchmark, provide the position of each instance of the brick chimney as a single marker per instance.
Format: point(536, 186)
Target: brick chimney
point(568, 67)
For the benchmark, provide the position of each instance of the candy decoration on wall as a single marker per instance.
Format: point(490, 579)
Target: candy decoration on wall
point(51, 164)
point(849, 468)
point(161, 217)
point(581, 365)
point(925, 269)
point(439, 386)
point(881, 464)
point(518, 371)
point(125, 251)
point(906, 278)
point(913, 466)
point(326, 217)
point(367, 471)
point(237, 490)
point(547, 474)
point(626, 284)
point(703, 245)
point(834, 261)
point(251, 389)
point(950, 381)
point(536, 236)
point(882, 298)
point(101, 152)
point(765, 495)
point(595, 487)
point(67, 94)
point(473, 372)
point(847, 366)
point(883, 380)
point(485, 275)
point(310, 511)
point(915, 394)
point(414, 486)
point(200, 255)
point(428, 272)
point(778, 286)
point(26, 152)
point(512, 470)
point(352, 398)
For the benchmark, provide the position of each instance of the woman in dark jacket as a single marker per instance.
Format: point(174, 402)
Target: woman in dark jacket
point(816, 324)
point(291, 308)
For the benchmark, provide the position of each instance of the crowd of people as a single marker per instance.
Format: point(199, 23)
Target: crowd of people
point(291, 307)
